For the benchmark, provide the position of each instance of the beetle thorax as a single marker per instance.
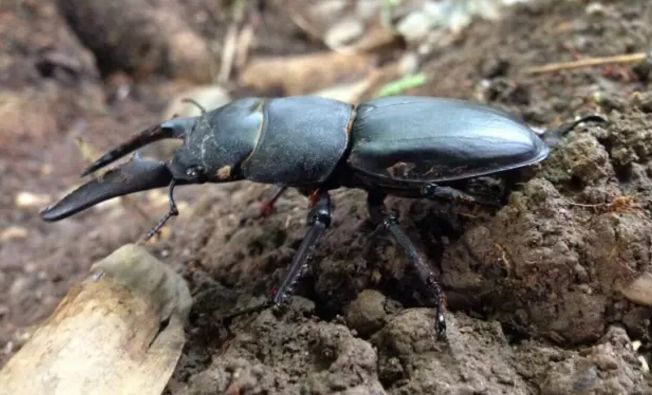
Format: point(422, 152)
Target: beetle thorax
point(219, 142)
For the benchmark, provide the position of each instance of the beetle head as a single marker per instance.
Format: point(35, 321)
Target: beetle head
point(214, 146)
point(133, 176)
point(218, 142)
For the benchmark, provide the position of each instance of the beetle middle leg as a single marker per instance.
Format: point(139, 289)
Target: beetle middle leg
point(389, 221)
point(319, 219)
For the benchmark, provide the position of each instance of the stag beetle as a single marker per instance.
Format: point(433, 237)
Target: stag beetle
point(406, 146)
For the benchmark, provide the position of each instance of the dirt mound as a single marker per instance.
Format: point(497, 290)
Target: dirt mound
point(540, 276)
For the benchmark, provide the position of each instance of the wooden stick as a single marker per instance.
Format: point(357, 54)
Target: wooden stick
point(588, 62)
point(118, 332)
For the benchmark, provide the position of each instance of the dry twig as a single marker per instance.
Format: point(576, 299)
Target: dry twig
point(587, 62)
point(619, 204)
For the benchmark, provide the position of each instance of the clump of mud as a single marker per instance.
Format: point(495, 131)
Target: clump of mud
point(553, 260)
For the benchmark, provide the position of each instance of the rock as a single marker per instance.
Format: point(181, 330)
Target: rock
point(609, 367)
point(366, 314)
point(341, 25)
point(414, 26)
point(26, 199)
point(139, 37)
point(13, 232)
point(644, 101)
point(343, 32)
point(639, 290)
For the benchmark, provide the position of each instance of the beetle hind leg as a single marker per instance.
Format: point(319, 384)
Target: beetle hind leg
point(439, 192)
point(434, 191)
point(417, 259)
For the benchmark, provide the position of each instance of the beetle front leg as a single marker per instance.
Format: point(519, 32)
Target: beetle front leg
point(319, 219)
point(419, 262)
point(173, 211)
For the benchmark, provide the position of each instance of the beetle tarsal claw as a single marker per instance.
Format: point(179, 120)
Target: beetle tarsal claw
point(440, 325)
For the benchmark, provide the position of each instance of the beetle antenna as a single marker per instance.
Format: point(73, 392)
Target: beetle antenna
point(172, 212)
point(564, 129)
point(195, 103)
point(553, 137)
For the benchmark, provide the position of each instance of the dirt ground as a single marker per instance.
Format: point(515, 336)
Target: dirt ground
point(539, 291)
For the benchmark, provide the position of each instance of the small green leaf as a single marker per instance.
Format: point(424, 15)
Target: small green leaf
point(400, 85)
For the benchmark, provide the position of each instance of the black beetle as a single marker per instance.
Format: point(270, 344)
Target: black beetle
point(405, 146)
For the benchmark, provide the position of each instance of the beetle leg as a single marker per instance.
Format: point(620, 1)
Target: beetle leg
point(172, 212)
point(553, 137)
point(417, 259)
point(319, 219)
point(267, 208)
point(434, 191)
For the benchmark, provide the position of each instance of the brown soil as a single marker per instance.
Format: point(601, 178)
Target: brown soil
point(533, 288)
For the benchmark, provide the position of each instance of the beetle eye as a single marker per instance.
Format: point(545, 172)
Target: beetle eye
point(194, 171)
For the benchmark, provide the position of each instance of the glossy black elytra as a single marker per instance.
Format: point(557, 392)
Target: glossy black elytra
point(406, 146)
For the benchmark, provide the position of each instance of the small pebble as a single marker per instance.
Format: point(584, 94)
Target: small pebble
point(366, 314)
point(14, 233)
point(29, 200)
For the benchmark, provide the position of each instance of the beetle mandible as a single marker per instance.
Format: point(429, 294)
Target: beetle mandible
point(405, 146)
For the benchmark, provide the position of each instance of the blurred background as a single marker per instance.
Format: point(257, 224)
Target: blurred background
point(79, 76)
